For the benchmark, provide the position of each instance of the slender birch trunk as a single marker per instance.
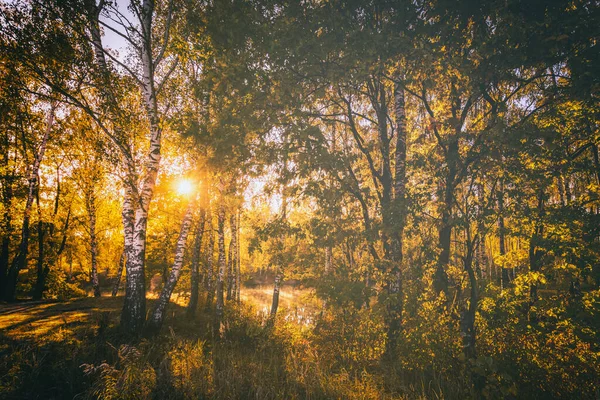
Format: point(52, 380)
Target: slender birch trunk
point(480, 263)
point(327, 260)
point(229, 273)
point(233, 252)
point(20, 259)
point(535, 253)
point(238, 280)
point(210, 255)
point(445, 232)
point(467, 320)
point(395, 301)
point(276, 290)
point(7, 197)
point(195, 267)
point(117, 282)
point(90, 204)
point(468, 316)
point(221, 274)
point(44, 262)
point(504, 279)
point(280, 268)
point(157, 317)
point(560, 184)
point(38, 289)
point(568, 194)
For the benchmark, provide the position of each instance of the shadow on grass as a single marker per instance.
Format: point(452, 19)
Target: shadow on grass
point(46, 348)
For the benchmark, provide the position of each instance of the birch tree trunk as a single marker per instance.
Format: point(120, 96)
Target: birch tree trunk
point(467, 320)
point(327, 260)
point(134, 306)
point(535, 253)
point(195, 267)
point(229, 273)
point(7, 196)
point(221, 273)
point(445, 232)
point(280, 268)
point(504, 280)
point(90, 204)
point(139, 191)
point(233, 254)
point(210, 255)
point(480, 262)
point(395, 300)
point(44, 262)
point(38, 289)
point(133, 314)
point(20, 259)
point(117, 283)
point(238, 279)
point(157, 317)
point(44, 229)
point(468, 316)
point(276, 291)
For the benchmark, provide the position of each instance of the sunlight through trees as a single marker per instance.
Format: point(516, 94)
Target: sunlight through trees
point(305, 199)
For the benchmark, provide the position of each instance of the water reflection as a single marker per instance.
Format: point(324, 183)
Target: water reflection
point(297, 305)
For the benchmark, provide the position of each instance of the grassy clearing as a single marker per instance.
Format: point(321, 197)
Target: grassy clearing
point(74, 350)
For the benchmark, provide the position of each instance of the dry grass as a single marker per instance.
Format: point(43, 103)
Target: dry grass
point(36, 320)
point(74, 349)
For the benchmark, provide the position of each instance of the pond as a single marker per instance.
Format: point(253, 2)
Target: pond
point(298, 305)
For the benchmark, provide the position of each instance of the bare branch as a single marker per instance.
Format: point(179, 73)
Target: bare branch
point(104, 24)
point(161, 53)
point(167, 75)
point(441, 143)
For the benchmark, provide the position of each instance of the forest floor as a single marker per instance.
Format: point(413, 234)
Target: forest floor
point(74, 349)
point(42, 319)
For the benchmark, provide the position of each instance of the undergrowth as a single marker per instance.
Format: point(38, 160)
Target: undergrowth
point(81, 354)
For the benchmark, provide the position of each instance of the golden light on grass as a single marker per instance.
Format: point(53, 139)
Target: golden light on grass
point(185, 187)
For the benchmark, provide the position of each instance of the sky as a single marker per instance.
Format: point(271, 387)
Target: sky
point(111, 39)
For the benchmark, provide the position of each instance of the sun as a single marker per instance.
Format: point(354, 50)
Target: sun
point(185, 187)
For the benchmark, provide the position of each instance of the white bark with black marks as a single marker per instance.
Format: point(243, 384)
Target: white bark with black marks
point(139, 189)
point(157, 317)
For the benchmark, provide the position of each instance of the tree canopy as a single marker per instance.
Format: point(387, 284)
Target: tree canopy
point(427, 170)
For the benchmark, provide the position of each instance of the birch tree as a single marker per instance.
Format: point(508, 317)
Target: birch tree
point(219, 308)
point(238, 273)
point(210, 281)
point(233, 258)
point(280, 232)
point(196, 258)
point(117, 281)
point(156, 319)
point(20, 260)
point(90, 205)
point(150, 52)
